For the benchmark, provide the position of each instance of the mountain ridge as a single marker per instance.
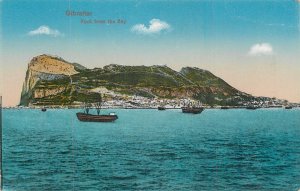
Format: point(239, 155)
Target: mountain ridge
point(51, 80)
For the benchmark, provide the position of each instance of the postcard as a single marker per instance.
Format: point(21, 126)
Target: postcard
point(150, 95)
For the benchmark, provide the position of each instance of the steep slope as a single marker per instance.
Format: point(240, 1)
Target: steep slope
point(45, 68)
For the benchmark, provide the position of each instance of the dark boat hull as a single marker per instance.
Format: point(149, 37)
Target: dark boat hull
point(161, 108)
point(43, 109)
point(225, 107)
point(251, 107)
point(96, 118)
point(194, 110)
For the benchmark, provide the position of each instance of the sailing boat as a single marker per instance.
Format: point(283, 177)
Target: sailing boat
point(87, 117)
point(192, 108)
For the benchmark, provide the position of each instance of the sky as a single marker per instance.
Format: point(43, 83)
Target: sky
point(253, 45)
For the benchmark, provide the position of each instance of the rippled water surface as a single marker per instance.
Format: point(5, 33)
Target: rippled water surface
point(152, 150)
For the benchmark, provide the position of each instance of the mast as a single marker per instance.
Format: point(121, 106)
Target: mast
point(98, 104)
point(86, 108)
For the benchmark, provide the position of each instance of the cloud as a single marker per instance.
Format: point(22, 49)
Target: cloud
point(155, 27)
point(45, 30)
point(261, 49)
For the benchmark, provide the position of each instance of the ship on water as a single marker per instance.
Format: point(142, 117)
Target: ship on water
point(252, 107)
point(192, 108)
point(43, 109)
point(87, 117)
point(162, 107)
point(225, 107)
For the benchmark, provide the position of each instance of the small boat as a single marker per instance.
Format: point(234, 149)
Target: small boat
point(161, 108)
point(288, 107)
point(86, 117)
point(43, 109)
point(96, 118)
point(225, 107)
point(195, 109)
point(252, 107)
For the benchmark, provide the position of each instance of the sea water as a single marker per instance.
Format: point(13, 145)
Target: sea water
point(233, 149)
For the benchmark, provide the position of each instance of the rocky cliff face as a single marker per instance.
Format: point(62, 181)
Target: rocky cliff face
point(46, 68)
point(41, 93)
